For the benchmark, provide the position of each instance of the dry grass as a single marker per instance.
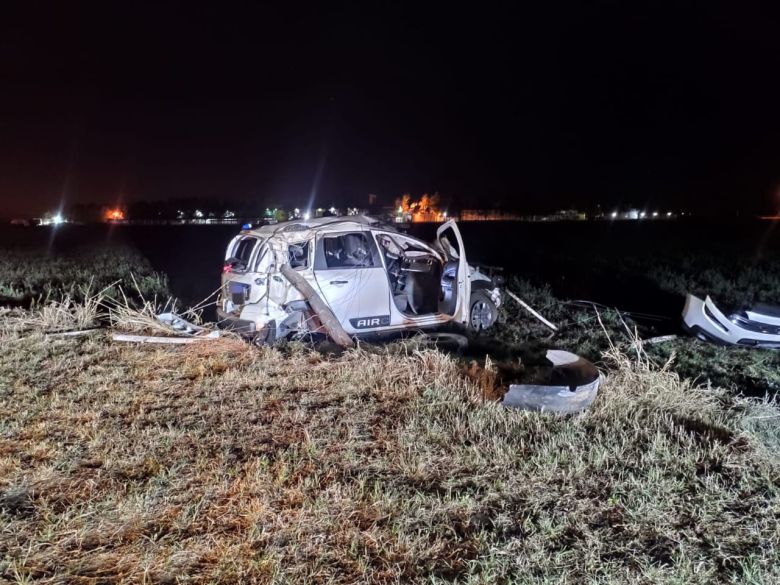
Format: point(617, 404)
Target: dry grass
point(225, 463)
point(139, 314)
point(54, 316)
point(135, 314)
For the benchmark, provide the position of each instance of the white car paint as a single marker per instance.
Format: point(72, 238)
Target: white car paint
point(462, 306)
point(255, 296)
point(707, 321)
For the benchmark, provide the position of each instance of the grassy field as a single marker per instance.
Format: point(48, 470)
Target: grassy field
point(639, 266)
point(33, 275)
point(223, 462)
point(750, 371)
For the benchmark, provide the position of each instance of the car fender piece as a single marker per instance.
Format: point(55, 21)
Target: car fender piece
point(574, 384)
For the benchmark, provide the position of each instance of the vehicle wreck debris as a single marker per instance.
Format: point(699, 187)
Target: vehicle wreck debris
point(184, 332)
point(164, 340)
point(326, 316)
point(570, 387)
point(348, 277)
point(530, 309)
point(758, 326)
point(180, 324)
point(75, 333)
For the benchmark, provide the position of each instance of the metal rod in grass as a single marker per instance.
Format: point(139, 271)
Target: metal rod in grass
point(649, 316)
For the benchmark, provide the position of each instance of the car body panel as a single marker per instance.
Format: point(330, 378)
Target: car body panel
point(360, 298)
point(705, 320)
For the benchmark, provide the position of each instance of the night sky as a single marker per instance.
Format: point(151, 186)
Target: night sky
point(576, 104)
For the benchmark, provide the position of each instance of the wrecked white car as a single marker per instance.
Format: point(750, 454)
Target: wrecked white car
point(373, 278)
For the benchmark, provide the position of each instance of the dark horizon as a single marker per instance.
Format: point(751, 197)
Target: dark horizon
point(530, 109)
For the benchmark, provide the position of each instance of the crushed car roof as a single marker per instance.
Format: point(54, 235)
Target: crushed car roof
point(359, 222)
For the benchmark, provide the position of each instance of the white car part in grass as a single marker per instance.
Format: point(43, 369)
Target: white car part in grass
point(574, 383)
point(187, 331)
point(164, 340)
point(752, 328)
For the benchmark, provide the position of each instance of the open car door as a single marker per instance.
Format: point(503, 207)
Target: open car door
point(451, 243)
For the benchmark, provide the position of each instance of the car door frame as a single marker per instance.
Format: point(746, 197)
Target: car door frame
point(359, 323)
point(463, 300)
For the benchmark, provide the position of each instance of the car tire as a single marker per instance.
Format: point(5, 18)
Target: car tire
point(482, 311)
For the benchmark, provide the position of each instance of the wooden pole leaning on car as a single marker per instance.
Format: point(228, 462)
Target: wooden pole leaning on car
point(326, 316)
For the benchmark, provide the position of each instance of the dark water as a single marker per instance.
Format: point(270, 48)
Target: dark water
point(598, 261)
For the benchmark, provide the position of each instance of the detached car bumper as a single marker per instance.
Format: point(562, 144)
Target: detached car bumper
point(753, 329)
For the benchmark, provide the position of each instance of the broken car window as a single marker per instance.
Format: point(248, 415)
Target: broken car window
point(298, 255)
point(242, 254)
point(263, 259)
point(347, 251)
point(451, 248)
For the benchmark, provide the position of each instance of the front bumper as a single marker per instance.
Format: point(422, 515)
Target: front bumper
point(706, 321)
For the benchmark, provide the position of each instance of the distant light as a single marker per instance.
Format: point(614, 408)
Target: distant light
point(445, 215)
point(198, 213)
point(332, 210)
point(614, 214)
point(655, 214)
point(297, 211)
point(306, 215)
point(115, 214)
point(643, 214)
point(57, 219)
point(400, 209)
point(668, 214)
point(230, 213)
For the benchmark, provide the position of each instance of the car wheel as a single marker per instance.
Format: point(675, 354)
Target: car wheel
point(483, 311)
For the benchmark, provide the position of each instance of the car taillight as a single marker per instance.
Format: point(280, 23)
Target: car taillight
point(227, 268)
